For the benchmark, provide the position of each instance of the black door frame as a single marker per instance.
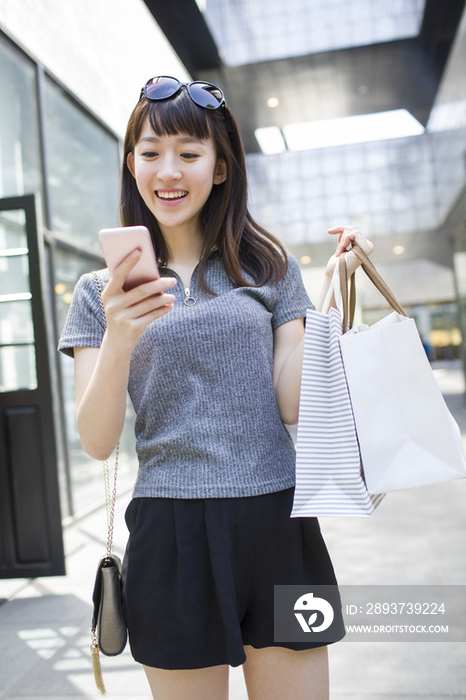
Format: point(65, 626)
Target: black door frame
point(31, 412)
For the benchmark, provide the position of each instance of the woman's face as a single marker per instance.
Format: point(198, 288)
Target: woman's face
point(175, 176)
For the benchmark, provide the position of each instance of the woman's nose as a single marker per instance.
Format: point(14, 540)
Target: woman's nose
point(168, 169)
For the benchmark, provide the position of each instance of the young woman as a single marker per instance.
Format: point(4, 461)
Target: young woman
point(211, 354)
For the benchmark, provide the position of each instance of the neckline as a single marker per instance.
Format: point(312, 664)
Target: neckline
point(212, 251)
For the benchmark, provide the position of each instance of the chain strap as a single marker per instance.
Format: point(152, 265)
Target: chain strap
point(110, 497)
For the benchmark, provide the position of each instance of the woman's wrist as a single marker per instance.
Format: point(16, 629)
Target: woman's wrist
point(113, 348)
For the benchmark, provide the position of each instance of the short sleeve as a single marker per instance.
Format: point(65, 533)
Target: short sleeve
point(85, 324)
point(292, 298)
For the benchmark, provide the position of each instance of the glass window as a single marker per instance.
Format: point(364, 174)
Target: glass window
point(20, 170)
point(86, 474)
point(83, 163)
point(17, 349)
point(459, 262)
point(247, 34)
point(17, 318)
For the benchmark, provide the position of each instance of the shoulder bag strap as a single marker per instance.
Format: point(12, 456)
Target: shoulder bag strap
point(110, 498)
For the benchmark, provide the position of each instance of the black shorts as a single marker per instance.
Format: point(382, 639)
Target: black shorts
point(199, 576)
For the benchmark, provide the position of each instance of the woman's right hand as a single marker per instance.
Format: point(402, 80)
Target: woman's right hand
point(129, 313)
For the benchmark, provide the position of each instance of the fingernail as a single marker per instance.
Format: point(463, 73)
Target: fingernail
point(136, 253)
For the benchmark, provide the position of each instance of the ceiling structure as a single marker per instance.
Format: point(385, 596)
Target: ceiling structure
point(319, 64)
point(250, 33)
point(363, 79)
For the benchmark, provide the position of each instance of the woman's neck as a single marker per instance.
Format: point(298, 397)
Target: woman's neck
point(184, 248)
point(184, 251)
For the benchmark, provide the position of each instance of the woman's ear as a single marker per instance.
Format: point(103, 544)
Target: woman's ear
point(130, 164)
point(220, 172)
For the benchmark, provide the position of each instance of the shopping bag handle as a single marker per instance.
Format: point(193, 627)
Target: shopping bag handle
point(376, 279)
point(338, 288)
point(348, 306)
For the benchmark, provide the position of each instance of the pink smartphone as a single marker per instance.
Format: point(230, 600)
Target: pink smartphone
point(118, 243)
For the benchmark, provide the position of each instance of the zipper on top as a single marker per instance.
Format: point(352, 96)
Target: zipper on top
point(188, 299)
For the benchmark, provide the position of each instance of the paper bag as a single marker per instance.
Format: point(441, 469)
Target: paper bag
point(407, 435)
point(328, 467)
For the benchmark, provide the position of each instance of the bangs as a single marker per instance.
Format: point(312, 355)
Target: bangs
point(179, 115)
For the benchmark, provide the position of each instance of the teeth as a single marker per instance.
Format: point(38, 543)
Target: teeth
point(171, 195)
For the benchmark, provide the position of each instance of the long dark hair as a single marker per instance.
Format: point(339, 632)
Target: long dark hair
point(244, 246)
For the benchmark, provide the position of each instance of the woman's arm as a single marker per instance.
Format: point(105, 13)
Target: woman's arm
point(289, 337)
point(288, 346)
point(101, 374)
point(101, 379)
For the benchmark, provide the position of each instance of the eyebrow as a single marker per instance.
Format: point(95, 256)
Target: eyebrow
point(180, 139)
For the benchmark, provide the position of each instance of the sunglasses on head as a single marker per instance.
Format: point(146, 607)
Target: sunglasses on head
point(203, 94)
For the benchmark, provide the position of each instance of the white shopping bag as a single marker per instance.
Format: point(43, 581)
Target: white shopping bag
point(329, 479)
point(407, 435)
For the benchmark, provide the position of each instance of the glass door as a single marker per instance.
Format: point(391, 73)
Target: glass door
point(17, 351)
point(30, 524)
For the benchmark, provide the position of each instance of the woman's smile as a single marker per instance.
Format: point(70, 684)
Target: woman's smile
point(171, 194)
point(171, 197)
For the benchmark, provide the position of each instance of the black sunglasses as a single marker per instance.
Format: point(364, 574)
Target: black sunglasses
point(203, 94)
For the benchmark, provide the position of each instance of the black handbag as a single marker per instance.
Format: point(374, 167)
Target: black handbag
point(108, 623)
point(108, 628)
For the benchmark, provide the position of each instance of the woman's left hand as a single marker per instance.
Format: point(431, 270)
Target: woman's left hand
point(347, 235)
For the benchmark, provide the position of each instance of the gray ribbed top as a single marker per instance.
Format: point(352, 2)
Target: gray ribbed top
point(207, 421)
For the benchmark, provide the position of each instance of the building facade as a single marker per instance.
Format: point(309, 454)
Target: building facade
point(66, 93)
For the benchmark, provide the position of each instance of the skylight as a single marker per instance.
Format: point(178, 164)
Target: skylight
point(248, 32)
point(361, 128)
point(271, 140)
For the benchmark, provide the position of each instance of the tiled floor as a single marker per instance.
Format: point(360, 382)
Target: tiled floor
point(416, 537)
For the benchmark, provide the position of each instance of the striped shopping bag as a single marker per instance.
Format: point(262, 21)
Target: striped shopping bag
point(329, 477)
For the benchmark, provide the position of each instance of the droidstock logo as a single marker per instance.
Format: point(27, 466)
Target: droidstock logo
point(313, 605)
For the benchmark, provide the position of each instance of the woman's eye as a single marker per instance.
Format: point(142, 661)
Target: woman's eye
point(148, 154)
point(190, 155)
